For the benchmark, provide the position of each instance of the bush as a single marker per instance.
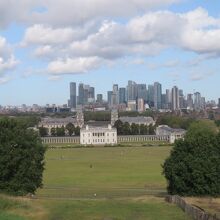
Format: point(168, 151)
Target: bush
point(193, 168)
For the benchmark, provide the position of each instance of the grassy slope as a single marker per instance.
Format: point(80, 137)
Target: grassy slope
point(89, 170)
point(113, 171)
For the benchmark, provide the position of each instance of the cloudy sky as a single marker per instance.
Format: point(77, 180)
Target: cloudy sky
point(45, 44)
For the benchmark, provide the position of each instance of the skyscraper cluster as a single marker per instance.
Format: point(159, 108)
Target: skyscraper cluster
point(137, 97)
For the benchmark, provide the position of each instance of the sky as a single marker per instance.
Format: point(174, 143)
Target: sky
point(46, 44)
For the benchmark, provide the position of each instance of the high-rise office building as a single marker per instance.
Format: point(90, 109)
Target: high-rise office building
point(72, 100)
point(115, 95)
point(175, 98)
point(140, 105)
point(122, 95)
point(168, 99)
point(157, 95)
point(142, 91)
point(219, 102)
point(81, 94)
point(99, 98)
point(151, 95)
point(197, 101)
point(131, 90)
point(189, 101)
point(109, 97)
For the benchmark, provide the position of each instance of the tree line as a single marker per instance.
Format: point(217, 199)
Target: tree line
point(133, 129)
point(70, 129)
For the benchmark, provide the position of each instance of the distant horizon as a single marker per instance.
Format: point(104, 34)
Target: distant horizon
point(101, 43)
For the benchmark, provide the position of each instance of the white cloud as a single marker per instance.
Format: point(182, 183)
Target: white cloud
point(7, 59)
point(72, 12)
point(72, 48)
point(73, 66)
point(4, 80)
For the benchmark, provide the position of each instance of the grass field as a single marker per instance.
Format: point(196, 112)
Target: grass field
point(118, 183)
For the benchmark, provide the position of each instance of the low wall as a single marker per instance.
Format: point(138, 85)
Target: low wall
point(121, 139)
point(193, 211)
point(143, 138)
point(61, 140)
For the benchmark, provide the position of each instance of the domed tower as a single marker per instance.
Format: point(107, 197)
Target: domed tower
point(80, 118)
point(114, 116)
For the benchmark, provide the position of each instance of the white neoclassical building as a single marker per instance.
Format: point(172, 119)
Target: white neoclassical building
point(173, 133)
point(98, 135)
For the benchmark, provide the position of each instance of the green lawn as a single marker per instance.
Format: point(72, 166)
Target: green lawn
point(112, 171)
point(117, 183)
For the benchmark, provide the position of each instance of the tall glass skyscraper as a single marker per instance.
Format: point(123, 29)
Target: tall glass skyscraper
point(72, 101)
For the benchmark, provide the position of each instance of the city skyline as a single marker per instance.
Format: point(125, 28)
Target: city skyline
point(174, 42)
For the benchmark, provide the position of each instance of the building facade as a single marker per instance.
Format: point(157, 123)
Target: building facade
point(174, 134)
point(98, 135)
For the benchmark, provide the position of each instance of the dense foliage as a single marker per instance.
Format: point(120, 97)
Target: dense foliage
point(97, 116)
point(193, 168)
point(175, 121)
point(133, 129)
point(21, 158)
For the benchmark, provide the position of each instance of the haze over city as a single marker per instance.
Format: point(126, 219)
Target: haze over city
point(174, 42)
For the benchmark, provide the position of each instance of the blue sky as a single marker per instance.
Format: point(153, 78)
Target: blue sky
point(44, 45)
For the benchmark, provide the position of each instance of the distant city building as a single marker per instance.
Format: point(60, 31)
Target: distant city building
point(140, 105)
point(122, 95)
point(142, 92)
point(109, 96)
point(131, 90)
point(72, 100)
point(157, 95)
point(190, 101)
point(219, 102)
point(98, 135)
point(197, 101)
point(175, 98)
point(99, 98)
point(151, 95)
point(132, 105)
point(174, 134)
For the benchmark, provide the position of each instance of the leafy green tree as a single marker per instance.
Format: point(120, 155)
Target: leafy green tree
point(151, 129)
point(126, 128)
point(119, 126)
point(193, 168)
point(77, 131)
point(70, 128)
point(53, 132)
point(43, 131)
point(21, 158)
point(134, 129)
point(60, 132)
point(144, 129)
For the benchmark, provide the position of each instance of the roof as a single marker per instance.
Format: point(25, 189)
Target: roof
point(172, 130)
point(95, 129)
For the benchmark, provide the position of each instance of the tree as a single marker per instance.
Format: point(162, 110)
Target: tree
point(126, 128)
point(53, 132)
point(70, 128)
point(43, 131)
point(60, 132)
point(193, 168)
point(77, 131)
point(119, 126)
point(151, 129)
point(134, 129)
point(21, 158)
point(144, 129)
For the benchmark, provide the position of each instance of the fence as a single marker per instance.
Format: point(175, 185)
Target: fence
point(193, 211)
